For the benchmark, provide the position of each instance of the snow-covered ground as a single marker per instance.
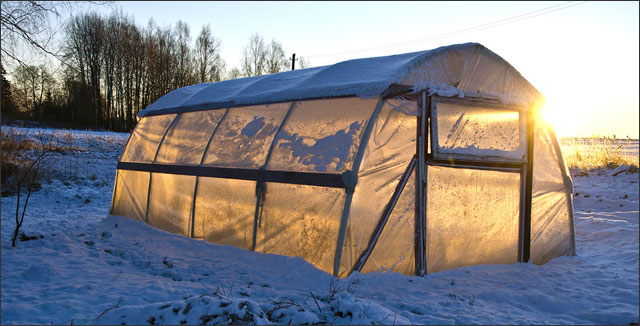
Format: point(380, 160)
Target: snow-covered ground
point(85, 268)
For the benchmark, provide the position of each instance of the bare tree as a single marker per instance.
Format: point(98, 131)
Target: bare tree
point(7, 101)
point(209, 64)
point(111, 55)
point(184, 72)
point(275, 59)
point(234, 73)
point(29, 27)
point(254, 57)
point(33, 82)
point(138, 55)
point(85, 41)
point(303, 62)
point(26, 23)
point(130, 41)
point(163, 62)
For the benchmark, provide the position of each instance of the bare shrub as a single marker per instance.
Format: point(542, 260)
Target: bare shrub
point(598, 153)
point(22, 158)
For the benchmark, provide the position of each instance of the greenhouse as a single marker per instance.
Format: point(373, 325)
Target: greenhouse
point(412, 163)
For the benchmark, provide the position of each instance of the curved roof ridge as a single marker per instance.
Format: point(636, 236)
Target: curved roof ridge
point(364, 77)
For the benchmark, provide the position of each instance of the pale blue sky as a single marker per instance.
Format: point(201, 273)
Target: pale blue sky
point(583, 58)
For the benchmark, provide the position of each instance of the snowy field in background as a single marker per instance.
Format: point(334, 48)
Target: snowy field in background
point(628, 147)
point(87, 268)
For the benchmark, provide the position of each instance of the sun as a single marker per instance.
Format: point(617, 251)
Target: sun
point(559, 114)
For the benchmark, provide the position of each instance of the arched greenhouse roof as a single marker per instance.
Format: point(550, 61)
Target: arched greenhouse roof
point(453, 70)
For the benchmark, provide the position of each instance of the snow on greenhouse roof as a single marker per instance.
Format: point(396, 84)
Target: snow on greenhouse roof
point(368, 77)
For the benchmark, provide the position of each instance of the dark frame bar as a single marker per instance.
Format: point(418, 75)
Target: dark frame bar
point(493, 166)
point(528, 187)
point(291, 177)
point(483, 101)
point(421, 195)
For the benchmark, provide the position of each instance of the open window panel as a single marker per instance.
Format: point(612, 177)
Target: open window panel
point(477, 131)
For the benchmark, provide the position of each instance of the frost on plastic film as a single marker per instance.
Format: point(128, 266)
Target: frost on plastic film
point(395, 249)
point(551, 220)
point(479, 131)
point(146, 137)
point(130, 198)
point(188, 136)
point(224, 211)
point(302, 221)
point(321, 136)
point(472, 217)
point(390, 148)
point(403, 104)
point(170, 201)
point(245, 135)
point(463, 72)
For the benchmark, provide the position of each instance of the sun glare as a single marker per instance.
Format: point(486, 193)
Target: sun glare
point(560, 117)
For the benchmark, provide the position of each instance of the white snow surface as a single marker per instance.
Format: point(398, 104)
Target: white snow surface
point(86, 267)
point(365, 78)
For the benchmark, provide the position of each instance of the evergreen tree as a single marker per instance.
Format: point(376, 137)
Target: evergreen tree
point(9, 109)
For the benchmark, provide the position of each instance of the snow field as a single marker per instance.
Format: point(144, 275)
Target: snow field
point(85, 267)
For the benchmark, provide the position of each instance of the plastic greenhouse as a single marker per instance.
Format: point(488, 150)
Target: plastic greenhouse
point(413, 163)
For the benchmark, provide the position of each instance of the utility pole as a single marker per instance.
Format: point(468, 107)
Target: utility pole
point(293, 61)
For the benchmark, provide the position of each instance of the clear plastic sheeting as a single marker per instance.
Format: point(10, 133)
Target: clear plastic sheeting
point(478, 131)
point(130, 196)
point(144, 141)
point(395, 249)
point(302, 221)
point(170, 201)
point(391, 146)
point(551, 219)
point(404, 104)
point(472, 217)
point(224, 211)
point(321, 135)
point(188, 136)
point(472, 70)
point(245, 135)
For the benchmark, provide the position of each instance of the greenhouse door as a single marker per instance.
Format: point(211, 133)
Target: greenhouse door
point(474, 184)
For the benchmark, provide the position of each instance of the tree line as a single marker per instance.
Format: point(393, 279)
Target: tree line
point(111, 68)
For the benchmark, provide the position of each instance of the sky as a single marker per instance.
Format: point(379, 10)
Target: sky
point(582, 56)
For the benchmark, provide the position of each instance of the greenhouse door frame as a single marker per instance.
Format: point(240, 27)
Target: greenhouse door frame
point(426, 135)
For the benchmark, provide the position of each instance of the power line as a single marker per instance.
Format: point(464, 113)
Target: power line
point(465, 30)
